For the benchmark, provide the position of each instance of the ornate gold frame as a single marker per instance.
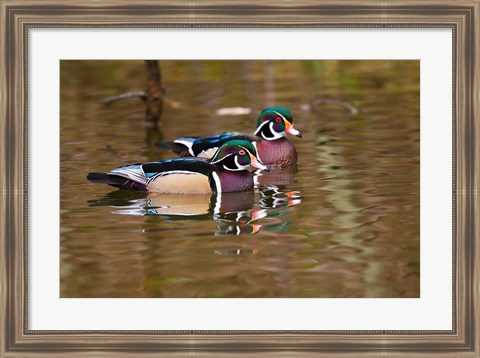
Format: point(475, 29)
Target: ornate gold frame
point(18, 16)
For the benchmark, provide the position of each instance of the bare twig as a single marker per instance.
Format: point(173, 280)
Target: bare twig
point(133, 94)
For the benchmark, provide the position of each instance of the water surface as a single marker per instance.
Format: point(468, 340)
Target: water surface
point(343, 223)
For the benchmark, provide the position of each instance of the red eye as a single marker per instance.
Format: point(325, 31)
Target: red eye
point(241, 152)
point(278, 119)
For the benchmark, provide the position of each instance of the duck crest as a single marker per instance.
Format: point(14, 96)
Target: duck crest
point(269, 114)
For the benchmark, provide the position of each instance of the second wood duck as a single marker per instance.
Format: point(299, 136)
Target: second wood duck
point(226, 172)
point(269, 138)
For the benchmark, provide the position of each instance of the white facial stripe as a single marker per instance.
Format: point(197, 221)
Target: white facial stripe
point(231, 170)
point(276, 135)
point(260, 127)
point(284, 119)
point(281, 116)
point(247, 149)
point(235, 159)
point(237, 164)
point(240, 167)
point(221, 159)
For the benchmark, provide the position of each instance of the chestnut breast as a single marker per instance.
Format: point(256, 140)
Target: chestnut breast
point(280, 151)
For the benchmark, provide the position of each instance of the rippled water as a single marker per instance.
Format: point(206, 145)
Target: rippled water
point(343, 223)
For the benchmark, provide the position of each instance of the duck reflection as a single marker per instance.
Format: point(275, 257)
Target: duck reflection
point(238, 223)
point(277, 176)
point(272, 197)
point(237, 252)
point(235, 213)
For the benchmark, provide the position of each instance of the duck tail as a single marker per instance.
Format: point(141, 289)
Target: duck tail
point(163, 144)
point(100, 178)
point(116, 181)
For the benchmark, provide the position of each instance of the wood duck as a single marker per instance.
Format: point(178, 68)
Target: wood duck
point(227, 171)
point(269, 138)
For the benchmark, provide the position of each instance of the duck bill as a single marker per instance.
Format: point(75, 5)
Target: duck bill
point(257, 164)
point(291, 130)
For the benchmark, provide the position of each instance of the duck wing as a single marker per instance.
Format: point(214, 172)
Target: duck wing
point(203, 147)
point(181, 175)
point(142, 176)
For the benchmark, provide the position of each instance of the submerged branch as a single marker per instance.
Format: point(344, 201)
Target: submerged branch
point(154, 98)
point(141, 95)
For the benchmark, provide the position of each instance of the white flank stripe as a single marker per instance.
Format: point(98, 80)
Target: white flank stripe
point(218, 184)
point(256, 149)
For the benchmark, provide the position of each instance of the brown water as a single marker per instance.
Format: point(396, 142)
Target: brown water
point(345, 223)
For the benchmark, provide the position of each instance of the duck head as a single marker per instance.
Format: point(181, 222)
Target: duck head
point(274, 123)
point(236, 155)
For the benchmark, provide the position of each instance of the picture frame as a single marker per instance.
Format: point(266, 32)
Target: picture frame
point(20, 16)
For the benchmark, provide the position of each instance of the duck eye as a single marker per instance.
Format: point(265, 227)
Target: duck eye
point(241, 152)
point(278, 119)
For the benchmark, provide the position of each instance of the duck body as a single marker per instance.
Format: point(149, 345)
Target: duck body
point(269, 138)
point(271, 152)
point(179, 176)
point(225, 172)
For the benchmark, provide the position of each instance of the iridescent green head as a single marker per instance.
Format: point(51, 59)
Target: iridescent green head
point(237, 155)
point(274, 122)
